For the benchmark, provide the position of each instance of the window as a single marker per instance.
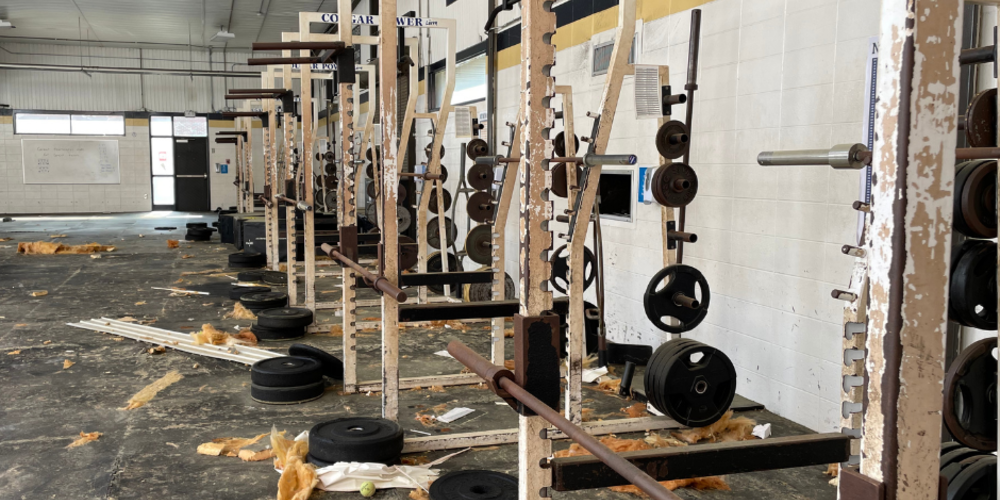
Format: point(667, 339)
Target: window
point(161, 126)
point(470, 82)
point(68, 124)
point(602, 57)
point(616, 195)
point(194, 126)
point(162, 150)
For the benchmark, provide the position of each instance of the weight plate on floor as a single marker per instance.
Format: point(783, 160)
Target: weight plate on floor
point(479, 244)
point(255, 275)
point(258, 301)
point(286, 395)
point(978, 481)
point(427, 150)
point(236, 292)
point(250, 258)
point(356, 439)
point(285, 317)
point(330, 169)
point(474, 485)
point(265, 334)
point(191, 225)
point(476, 148)
point(407, 253)
point(480, 207)
point(981, 120)
point(434, 232)
point(559, 144)
point(480, 177)
point(432, 205)
point(694, 383)
point(286, 371)
point(669, 301)
point(275, 278)
point(673, 140)
point(975, 199)
point(973, 287)
point(560, 180)
point(332, 367)
point(561, 268)
point(970, 396)
point(434, 265)
point(674, 185)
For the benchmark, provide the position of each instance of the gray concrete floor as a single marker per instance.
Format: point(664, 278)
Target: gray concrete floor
point(150, 452)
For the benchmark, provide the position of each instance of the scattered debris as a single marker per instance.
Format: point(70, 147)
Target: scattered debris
point(196, 273)
point(240, 312)
point(762, 431)
point(141, 303)
point(419, 494)
point(95, 256)
point(180, 291)
point(156, 350)
point(47, 342)
point(173, 243)
point(39, 293)
point(698, 483)
point(5, 239)
point(50, 248)
point(454, 414)
point(147, 393)
point(610, 386)
point(212, 335)
point(635, 411)
point(228, 446)
point(436, 388)
point(67, 363)
point(594, 374)
point(85, 437)
point(255, 456)
point(834, 471)
point(726, 429)
point(186, 256)
point(58, 236)
point(297, 477)
point(14, 353)
point(508, 364)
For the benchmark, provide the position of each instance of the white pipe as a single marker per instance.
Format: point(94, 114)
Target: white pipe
point(126, 71)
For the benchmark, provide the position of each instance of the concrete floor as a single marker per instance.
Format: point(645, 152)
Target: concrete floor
point(150, 452)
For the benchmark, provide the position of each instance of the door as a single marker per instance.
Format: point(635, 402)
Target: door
point(191, 174)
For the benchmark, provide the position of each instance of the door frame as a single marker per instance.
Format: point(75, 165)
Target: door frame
point(172, 137)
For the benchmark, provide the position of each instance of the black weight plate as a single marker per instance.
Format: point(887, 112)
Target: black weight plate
point(285, 317)
point(330, 199)
point(407, 253)
point(330, 169)
point(978, 481)
point(191, 225)
point(479, 244)
point(954, 468)
point(404, 218)
point(560, 179)
point(981, 120)
point(697, 392)
point(432, 204)
point(973, 286)
point(674, 185)
point(247, 258)
point(250, 275)
point(434, 265)
point(660, 302)
point(656, 368)
point(371, 213)
point(356, 439)
point(975, 200)
point(561, 268)
point(559, 144)
point(672, 140)
point(332, 367)
point(950, 445)
point(286, 395)
point(200, 231)
point(258, 301)
point(286, 371)
point(480, 207)
point(480, 177)
point(370, 171)
point(434, 232)
point(443, 172)
point(368, 154)
point(483, 292)
point(370, 190)
point(957, 455)
point(275, 278)
point(317, 462)
point(970, 396)
point(197, 236)
point(474, 485)
point(476, 148)
point(237, 292)
point(265, 334)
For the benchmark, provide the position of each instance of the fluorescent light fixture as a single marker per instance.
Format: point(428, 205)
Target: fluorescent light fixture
point(5, 24)
point(223, 36)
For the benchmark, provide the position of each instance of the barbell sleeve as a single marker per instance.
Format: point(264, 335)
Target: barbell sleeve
point(841, 156)
point(378, 282)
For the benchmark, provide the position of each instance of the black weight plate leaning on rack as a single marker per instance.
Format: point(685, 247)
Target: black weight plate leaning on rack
point(407, 253)
point(434, 265)
point(254, 275)
point(560, 180)
point(666, 301)
point(975, 200)
point(951, 470)
point(332, 366)
point(561, 271)
point(285, 317)
point(480, 177)
point(434, 232)
point(693, 383)
point(973, 287)
point(476, 148)
point(559, 144)
point(978, 481)
point(970, 396)
point(981, 120)
point(674, 185)
point(957, 455)
point(258, 301)
point(277, 278)
point(482, 292)
point(479, 244)
point(672, 140)
point(655, 368)
point(427, 150)
point(474, 485)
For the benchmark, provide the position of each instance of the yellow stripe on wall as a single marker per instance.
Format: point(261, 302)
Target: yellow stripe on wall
point(131, 122)
point(221, 123)
point(5, 120)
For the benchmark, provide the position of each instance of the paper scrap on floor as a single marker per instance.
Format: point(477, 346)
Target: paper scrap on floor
point(454, 414)
point(594, 374)
point(654, 411)
point(445, 354)
point(762, 431)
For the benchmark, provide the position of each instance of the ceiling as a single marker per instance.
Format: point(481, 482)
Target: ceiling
point(155, 22)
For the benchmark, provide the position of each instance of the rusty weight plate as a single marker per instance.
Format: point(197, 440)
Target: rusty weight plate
point(480, 177)
point(476, 148)
point(975, 201)
point(432, 204)
point(434, 232)
point(559, 144)
point(673, 140)
point(407, 253)
point(981, 120)
point(674, 185)
point(480, 207)
point(479, 244)
point(970, 393)
point(559, 179)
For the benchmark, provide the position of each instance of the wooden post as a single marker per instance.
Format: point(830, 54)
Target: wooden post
point(274, 243)
point(306, 157)
point(499, 240)
point(348, 200)
point(914, 168)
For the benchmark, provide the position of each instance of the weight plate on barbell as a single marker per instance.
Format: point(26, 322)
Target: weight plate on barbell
point(480, 207)
point(427, 150)
point(973, 298)
point(683, 281)
point(673, 140)
point(370, 189)
point(403, 218)
point(371, 213)
point(434, 265)
point(330, 169)
point(560, 179)
point(407, 253)
point(476, 148)
point(482, 292)
point(981, 120)
point(559, 144)
point(674, 185)
point(330, 198)
point(479, 244)
point(368, 154)
point(975, 200)
point(370, 171)
point(434, 232)
point(474, 485)
point(561, 268)
point(691, 382)
point(329, 156)
point(970, 396)
point(480, 177)
point(432, 204)
point(978, 481)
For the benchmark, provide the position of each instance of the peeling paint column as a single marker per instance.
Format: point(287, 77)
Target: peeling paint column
point(387, 208)
point(537, 89)
point(914, 171)
point(347, 201)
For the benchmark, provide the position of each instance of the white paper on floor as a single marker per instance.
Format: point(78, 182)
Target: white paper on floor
point(594, 374)
point(762, 431)
point(454, 414)
point(445, 354)
point(654, 411)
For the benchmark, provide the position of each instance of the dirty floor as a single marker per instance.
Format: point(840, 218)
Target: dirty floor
point(149, 452)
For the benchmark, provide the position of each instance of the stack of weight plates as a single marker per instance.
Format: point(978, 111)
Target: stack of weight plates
point(198, 231)
point(237, 292)
point(258, 301)
point(280, 323)
point(356, 439)
point(332, 367)
point(474, 485)
point(971, 474)
point(244, 260)
point(286, 380)
point(251, 276)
